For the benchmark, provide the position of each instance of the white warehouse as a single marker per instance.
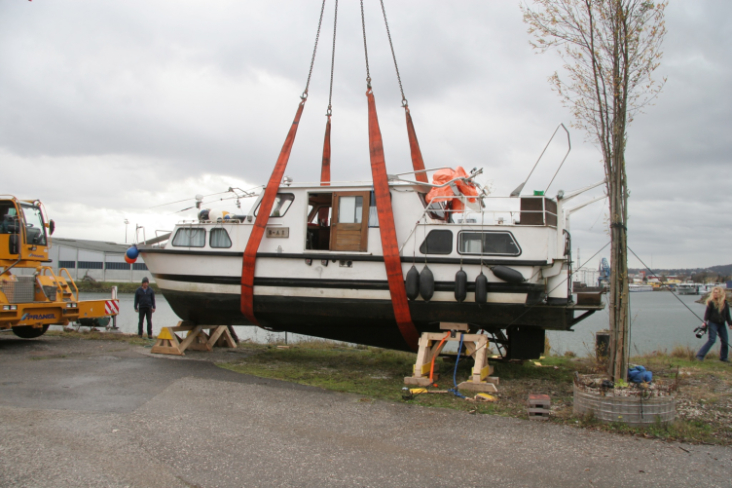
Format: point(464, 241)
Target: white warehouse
point(102, 261)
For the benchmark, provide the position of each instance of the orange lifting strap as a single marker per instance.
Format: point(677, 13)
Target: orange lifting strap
point(325, 170)
point(417, 161)
point(325, 167)
point(389, 244)
point(265, 207)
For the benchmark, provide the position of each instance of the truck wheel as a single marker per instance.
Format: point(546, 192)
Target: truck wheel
point(29, 332)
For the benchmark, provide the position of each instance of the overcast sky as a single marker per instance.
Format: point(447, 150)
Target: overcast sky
point(108, 109)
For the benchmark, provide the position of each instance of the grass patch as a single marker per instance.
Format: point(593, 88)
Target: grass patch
point(100, 336)
point(704, 399)
point(106, 286)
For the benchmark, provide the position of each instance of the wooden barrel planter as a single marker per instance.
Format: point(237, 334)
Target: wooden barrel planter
point(635, 405)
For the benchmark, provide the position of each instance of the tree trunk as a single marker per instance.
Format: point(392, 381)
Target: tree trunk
point(617, 186)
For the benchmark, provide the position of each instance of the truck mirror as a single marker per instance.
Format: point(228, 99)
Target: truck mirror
point(51, 227)
point(13, 244)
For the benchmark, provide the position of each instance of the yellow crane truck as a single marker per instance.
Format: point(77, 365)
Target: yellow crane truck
point(29, 304)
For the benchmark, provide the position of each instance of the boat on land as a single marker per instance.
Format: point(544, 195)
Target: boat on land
point(379, 262)
point(320, 267)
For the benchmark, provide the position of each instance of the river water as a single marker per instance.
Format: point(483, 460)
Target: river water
point(659, 322)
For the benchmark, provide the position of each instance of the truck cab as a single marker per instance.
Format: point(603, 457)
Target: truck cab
point(23, 236)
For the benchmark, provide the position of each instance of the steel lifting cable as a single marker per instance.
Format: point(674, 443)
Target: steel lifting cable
point(315, 49)
point(387, 229)
point(416, 152)
point(674, 294)
point(332, 60)
point(365, 48)
point(391, 45)
point(325, 164)
point(249, 259)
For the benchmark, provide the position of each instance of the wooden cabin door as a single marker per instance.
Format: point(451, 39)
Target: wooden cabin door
point(350, 221)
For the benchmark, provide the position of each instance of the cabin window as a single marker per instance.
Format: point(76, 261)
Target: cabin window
point(350, 210)
point(8, 218)
point(495, 243)
point(373, 212)
point(188, 237)
point(219, 238)
point(437, 242)
point(35, 232)
point(282, 203)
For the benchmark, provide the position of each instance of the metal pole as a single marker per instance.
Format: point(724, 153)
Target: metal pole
point(114, 317)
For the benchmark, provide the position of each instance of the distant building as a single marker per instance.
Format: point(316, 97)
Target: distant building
point(103, 261)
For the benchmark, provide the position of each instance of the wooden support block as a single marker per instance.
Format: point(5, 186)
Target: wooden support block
point(200, 342)
point(476, 345)
point(453, 326)
point(196, 339)
point(221, 337)
point(479, 387)
point(411, 380)
point(167, 343)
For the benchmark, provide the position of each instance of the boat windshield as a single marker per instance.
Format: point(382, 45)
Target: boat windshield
point(281, 205)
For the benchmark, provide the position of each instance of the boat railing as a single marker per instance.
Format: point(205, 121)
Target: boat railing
point(526, 211)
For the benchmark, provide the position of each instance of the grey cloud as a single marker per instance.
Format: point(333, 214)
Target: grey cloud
point(182, 89)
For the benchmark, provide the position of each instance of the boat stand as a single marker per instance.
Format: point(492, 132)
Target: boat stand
point(476, 345)
point(197, 339)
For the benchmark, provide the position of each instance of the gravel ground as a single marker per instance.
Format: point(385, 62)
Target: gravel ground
point(77, 413)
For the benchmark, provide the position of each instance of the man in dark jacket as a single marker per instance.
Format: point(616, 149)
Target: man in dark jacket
point(145, 306)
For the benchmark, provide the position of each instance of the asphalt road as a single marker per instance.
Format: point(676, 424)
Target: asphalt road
point(77, 413)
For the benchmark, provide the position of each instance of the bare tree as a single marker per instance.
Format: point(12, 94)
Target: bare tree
point(611, 49)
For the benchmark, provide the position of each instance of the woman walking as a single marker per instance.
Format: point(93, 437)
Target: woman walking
point(714, 318)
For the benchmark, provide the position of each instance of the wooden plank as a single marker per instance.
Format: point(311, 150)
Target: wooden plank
point(410, 380)
point(167, 346)
point(226, 340)
point(481, 387)
point(192, 334)
point(221, 332)
point(453, 326)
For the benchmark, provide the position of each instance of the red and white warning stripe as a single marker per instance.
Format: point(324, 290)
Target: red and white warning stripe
point(111, 307)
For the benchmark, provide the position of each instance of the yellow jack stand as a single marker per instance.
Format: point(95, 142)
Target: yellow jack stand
point(196, 340)
point(476, 345)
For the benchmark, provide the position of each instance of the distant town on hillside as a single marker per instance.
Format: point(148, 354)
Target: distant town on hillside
point(713, 274)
